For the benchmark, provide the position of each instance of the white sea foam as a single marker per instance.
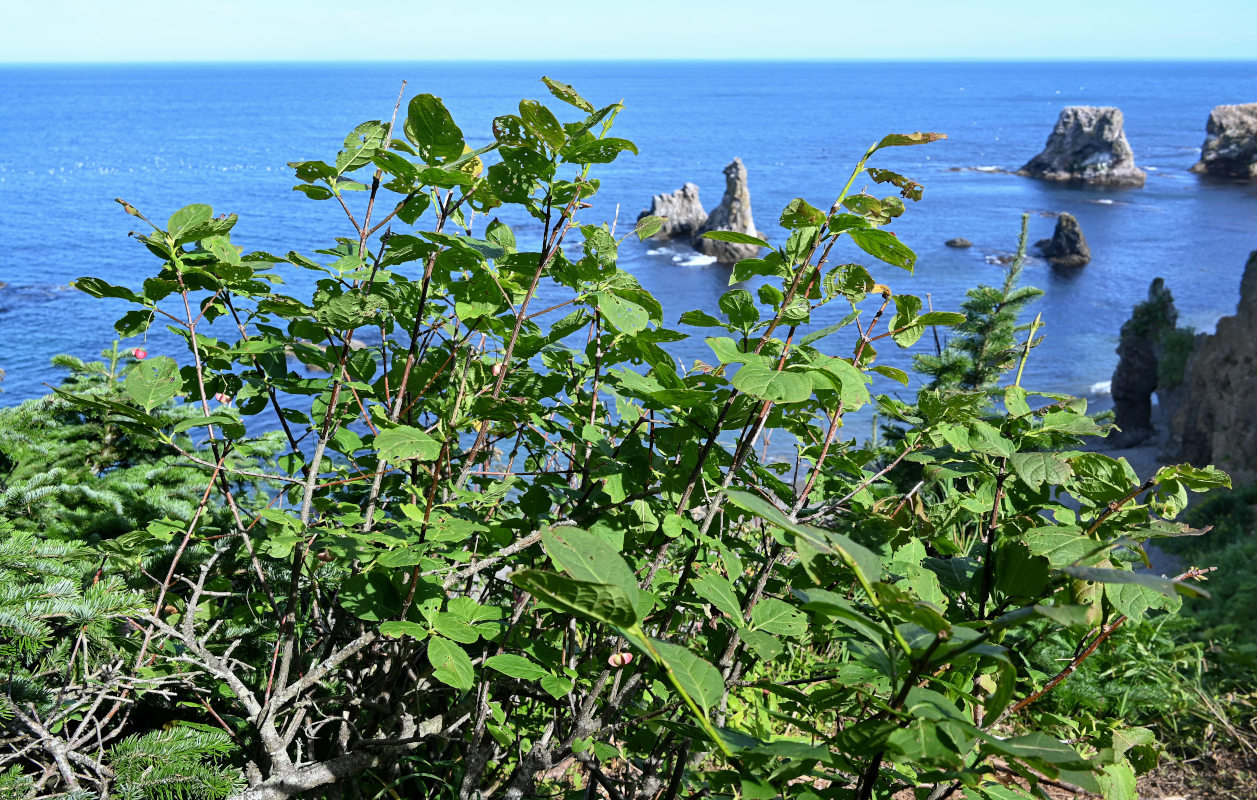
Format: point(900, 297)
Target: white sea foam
point(1100, 388)
point(697, 260)
point(986, 169)
point(1105, 201)
point(659, 251)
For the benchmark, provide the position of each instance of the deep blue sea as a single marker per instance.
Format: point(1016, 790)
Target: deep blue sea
point(164, 136)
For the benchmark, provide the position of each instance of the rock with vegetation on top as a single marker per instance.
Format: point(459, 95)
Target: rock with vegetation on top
point(1230, 147)
point(1067, 247)
point(1088, 144)
point(683, 213)
point(1139, 358)
point(733, 214)
point(1212, 414)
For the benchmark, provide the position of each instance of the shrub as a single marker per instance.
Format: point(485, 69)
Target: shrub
point(517, 552)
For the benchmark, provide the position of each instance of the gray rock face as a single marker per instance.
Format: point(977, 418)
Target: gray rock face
point(683, 210)
point(1212, 418)
point(1088, 144)
point(1067, 247)
point(733, 214)
point(958, 242)
point(1230, 147)
point(1139, 358)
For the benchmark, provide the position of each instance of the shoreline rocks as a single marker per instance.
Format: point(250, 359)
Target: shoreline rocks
point(1067, 247)
point(1230, 148)
point(1088, 144)
point(683, 211)
point(958, 242)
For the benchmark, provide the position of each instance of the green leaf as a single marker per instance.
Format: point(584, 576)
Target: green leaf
point(764, 645)
point(1035, 469)
point(849, 381)
point(402, 443)
point(98, 288)
point(361, 145)
point(907, 139)
point(1165, 586)
point(776, 616)
point(450, 663)
point(726, 350)
point(154, 382)
point(648, 226)
point(894, 373)
point(799, 214)
point(517, 667)
point(942, 318)
point(541, 122)
point(717, 590)
point(740, 308)
point(589, 557)
point(600, 602)
point(696, 677)
point(431, 129)
point(735, 237)
point(760, 380)
point(187, 219)
point(556, 686)
point(856, 556)
point(568, 95)
point(397, 629)
point(627, 317)
point(451, 627)
point(597, 151)
point(883, 246)
point(772, 266)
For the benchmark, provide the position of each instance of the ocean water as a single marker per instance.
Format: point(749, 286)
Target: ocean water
point(164, 136)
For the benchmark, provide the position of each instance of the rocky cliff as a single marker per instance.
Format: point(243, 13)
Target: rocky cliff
point(1139, 351)
point(1088, 144)
point(1212, 415)
point(1230, 147)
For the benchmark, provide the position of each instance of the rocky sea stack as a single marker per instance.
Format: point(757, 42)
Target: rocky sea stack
point(1230, 148)
point(1089, 145)
point(733, 214)
point(683, 211)
point(1067, 247)
point(688, 220)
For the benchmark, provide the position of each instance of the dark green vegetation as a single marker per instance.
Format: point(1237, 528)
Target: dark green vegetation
point(513, 551)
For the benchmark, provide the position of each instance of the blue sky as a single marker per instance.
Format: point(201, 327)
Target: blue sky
point(393, 30)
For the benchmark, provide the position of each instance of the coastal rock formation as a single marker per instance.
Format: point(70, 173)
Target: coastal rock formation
point(1088, 144)
point(683, 211)
point(1212, 415)
point(958, 242)
point(1067, 247)
point(733, 214)
point(1139, 356)
point(1230, 147)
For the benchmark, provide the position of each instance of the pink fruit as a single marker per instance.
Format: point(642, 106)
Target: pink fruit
point(223, 398)
point(140, 353)
point(617, 660)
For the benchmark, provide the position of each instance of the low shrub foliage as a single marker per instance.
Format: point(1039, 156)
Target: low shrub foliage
point(514, 551)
